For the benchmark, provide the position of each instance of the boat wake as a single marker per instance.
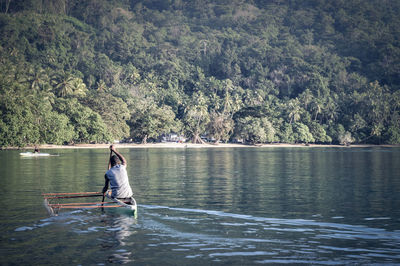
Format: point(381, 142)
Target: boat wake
point(218, 234)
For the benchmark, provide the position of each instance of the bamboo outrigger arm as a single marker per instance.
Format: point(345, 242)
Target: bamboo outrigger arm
point(53, 208)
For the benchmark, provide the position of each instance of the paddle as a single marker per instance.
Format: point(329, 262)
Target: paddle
point(108, 168)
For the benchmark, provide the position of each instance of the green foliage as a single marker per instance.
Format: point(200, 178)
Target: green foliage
point(336, 132)
point(19, 128)
point(88, 125)
point(113, 111)
point(393, 135)
point(286, 134)
point(56, 129)
point(319, 133)
point(302, 133)
point(255, 130)
point(345, 139)
point(267, 71)
point(220, 127)
point(150, 121)
point(196, 117)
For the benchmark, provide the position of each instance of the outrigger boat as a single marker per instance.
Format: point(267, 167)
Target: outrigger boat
point(34, 154)
point(53, 205)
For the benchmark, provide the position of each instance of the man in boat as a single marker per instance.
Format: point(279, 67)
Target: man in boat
point(117, 177)
point(36, 149)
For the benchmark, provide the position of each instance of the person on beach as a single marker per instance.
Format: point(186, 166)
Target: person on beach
point(117, 177)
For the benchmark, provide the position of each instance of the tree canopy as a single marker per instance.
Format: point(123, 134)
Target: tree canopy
point(309, 71)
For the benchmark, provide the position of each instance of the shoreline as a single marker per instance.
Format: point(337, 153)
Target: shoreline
point(192, 145)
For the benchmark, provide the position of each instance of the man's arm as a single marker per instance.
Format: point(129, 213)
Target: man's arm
point(109, 163)
point(105, 184)
point(123, 161)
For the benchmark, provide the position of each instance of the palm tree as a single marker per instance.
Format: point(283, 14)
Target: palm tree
point(37, 77)
point(294, 110)
point(220, 126)
point(316, 107)
point(196, 116)
point(68, 85)
point(306, 98)
point(101, 86)
point(64, 84)
point(331, 110)
point(79, 88)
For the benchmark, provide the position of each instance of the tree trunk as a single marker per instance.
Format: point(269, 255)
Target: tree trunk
point(196, 139)
point(7, 5)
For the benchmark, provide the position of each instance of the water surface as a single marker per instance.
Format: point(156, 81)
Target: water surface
point(236, 206)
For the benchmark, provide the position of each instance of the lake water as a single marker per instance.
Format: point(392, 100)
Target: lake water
point(237, 206)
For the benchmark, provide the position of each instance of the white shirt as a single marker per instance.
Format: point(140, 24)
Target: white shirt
point(119, 182)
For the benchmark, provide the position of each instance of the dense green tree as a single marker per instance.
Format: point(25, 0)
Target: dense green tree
point(224, 103)
point(88, 125)
point(393, 133)
point(150, 121)
point(113, 111)
point(18, 126)
point(37, 78)
point(294, 110)
point(56, 129)
point(337, 132)
point(68, 85)
point(286, 133)
point(319, 133)
point(255, 130)
point(220, 127)
point(302, 133)
point(196, 117)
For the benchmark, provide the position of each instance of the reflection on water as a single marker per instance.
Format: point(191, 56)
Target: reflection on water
point(209, 206)
point(119, 232)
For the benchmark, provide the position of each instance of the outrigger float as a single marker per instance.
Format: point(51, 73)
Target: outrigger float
point(53, 205)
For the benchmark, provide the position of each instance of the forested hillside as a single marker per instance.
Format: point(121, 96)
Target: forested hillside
point(261, 71)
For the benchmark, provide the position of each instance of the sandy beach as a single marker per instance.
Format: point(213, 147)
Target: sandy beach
point(192, 145)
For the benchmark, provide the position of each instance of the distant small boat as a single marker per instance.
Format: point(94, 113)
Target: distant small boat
point(34, 154)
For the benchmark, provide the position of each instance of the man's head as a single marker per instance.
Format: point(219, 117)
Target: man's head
point(114, 160)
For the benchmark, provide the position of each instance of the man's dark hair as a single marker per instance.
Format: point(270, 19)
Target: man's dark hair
point(115, 160)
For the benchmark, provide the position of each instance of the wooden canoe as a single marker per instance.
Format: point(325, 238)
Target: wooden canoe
point(54, 202)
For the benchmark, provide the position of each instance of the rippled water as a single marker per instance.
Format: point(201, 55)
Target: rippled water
point(208, 206)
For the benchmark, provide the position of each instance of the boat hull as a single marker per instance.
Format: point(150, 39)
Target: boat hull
point(32, 154)
point(69, 201)
point(129, 204)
